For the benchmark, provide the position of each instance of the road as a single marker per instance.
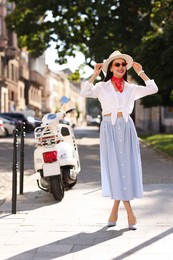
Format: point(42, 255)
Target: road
point(88, 142)
point(6, 159)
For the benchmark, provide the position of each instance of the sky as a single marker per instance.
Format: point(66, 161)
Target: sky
point(73, 63)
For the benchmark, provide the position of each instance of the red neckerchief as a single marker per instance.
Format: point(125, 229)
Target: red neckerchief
point(119, 83)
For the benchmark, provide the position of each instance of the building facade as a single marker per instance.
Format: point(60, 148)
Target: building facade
point(26, 84)
point(9, 67)
point(57, 85)
point(21, 77)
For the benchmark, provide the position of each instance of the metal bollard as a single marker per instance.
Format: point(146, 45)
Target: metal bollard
point(22, 157)
point(14, 168)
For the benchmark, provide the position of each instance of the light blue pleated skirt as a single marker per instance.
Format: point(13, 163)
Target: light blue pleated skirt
point(121, 170)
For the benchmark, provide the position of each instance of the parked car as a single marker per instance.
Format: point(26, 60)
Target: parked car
point(17, 122)
point(20, 117)
point(93, 121)
point(2, 130)
point(8, 125)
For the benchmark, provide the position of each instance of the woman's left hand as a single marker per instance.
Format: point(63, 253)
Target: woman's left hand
point(137, 67)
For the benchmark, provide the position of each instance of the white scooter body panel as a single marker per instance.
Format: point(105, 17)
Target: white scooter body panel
point(67, 152)
point(56, 154)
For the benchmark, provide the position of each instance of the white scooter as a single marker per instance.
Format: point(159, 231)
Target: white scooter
point(56, 157)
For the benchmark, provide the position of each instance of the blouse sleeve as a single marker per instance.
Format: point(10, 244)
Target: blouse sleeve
point(90, 90)
point(149, 89)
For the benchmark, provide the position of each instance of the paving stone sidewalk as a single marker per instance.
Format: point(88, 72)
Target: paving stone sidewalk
point(76, 228)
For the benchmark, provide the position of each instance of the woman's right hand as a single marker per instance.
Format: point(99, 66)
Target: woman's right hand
point(98, 68)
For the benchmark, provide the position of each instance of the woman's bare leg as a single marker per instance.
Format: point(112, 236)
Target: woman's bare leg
point(114, 212)
point(130, 214)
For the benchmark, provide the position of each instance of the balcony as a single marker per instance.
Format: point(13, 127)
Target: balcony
point(37, 78)
point(10, 53)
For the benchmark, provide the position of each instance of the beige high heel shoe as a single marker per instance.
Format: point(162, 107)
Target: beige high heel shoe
point(112, 223)
point(132, 226)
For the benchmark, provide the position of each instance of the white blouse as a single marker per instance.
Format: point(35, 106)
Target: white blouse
point(113, 101)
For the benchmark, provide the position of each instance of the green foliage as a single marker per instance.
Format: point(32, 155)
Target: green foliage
point(95, 27)
point(75, 76)
point(156, 54)
point(162, 142)
point(153, 100)
point(142, 28)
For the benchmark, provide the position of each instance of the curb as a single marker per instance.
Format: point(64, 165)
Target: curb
point(167, 156)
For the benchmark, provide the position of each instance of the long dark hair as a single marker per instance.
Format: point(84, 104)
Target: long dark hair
point(109, 73)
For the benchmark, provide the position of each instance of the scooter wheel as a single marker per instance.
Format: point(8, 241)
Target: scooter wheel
point(57, 187)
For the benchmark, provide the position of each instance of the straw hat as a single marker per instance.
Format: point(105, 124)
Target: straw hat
point(117, 55)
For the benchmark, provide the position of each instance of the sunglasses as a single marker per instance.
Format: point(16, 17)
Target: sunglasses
point(117, 64)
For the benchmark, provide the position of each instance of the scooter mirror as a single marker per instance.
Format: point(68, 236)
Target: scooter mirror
point(64, 100)
point(31, 119)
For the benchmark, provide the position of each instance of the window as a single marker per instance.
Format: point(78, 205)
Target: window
point(0, 24)
point(9, 7)
point(21, 92)
point(12, 72)
point(12, 95)
point(1, 65)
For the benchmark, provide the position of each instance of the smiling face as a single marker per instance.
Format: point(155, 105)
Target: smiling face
point(118, 68)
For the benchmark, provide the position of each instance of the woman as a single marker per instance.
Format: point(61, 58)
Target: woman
point(121, 171)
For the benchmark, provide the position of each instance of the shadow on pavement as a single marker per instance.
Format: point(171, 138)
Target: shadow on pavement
point(75, 243)
point(30, 201)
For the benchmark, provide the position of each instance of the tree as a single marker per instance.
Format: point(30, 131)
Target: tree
point(142, 28)
point(156, 52)
point(94, 27)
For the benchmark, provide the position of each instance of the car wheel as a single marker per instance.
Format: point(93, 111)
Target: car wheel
point(6, 132)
